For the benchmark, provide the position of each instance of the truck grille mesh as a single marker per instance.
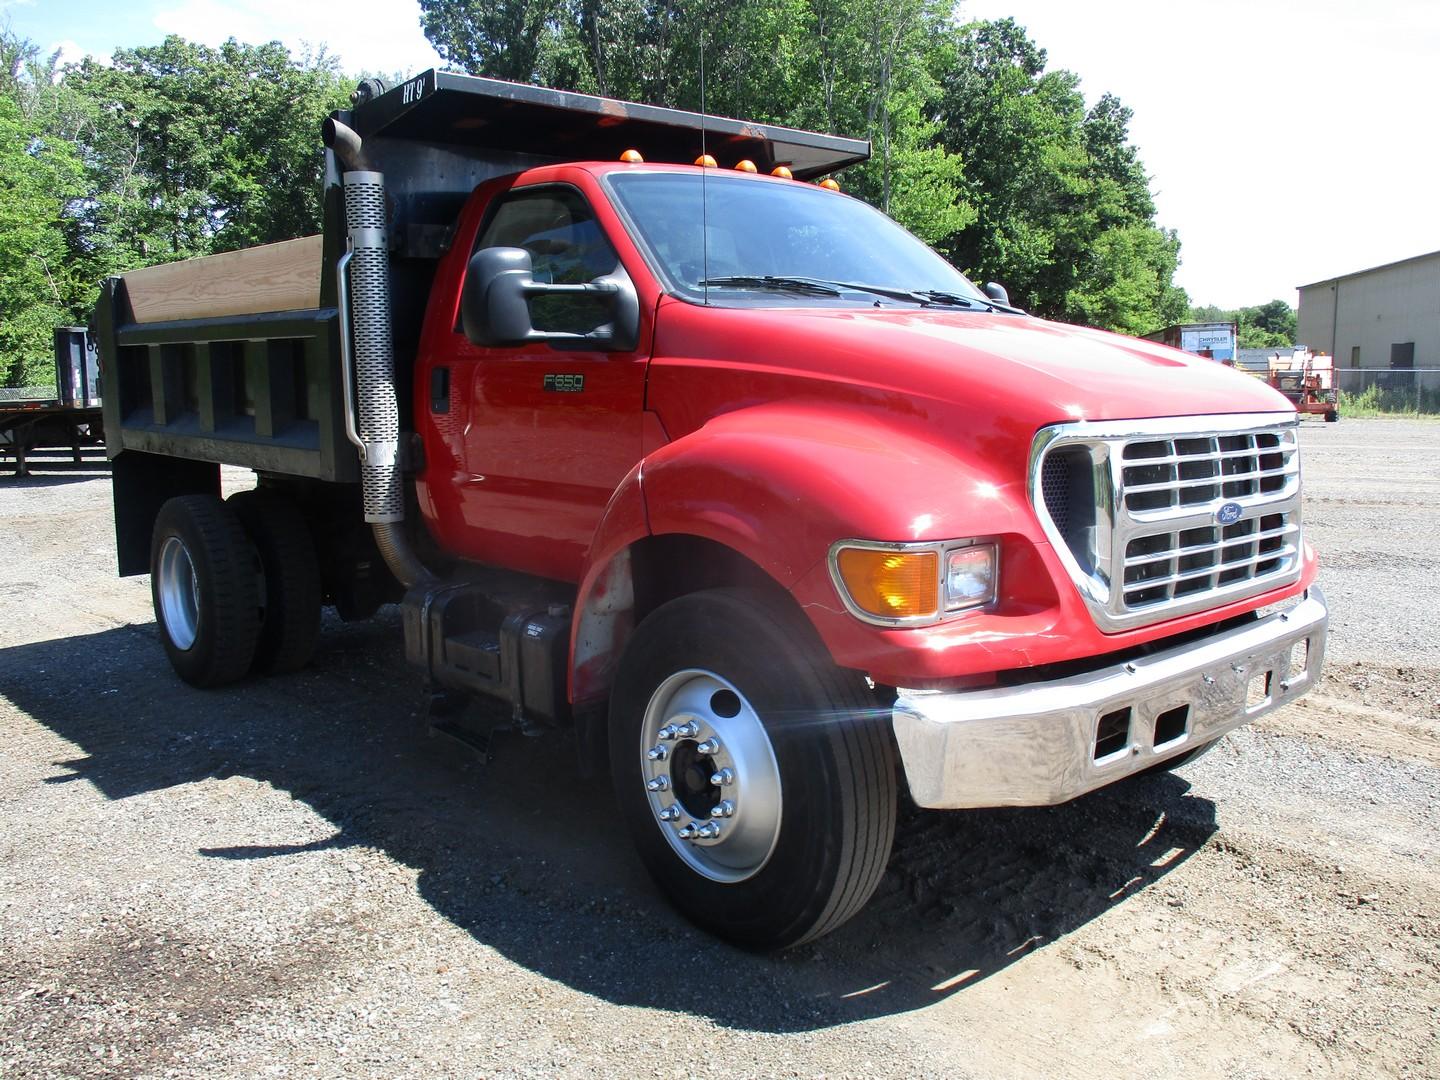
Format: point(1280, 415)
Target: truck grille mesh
point(1190, 520)
point(1055, 489)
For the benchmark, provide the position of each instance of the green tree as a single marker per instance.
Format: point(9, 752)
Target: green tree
point(38, 177)
point(1270, 325)
point(503, 39)
point(1264, 326)
point(1064, 213)
point(191, 150)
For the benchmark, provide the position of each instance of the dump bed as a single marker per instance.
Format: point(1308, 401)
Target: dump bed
point(234, 358)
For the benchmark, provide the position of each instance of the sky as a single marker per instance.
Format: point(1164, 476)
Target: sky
point(1287, 140)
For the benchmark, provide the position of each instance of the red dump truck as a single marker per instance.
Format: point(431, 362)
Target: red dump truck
point(716, 468)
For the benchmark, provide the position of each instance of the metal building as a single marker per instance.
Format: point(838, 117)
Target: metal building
point(1385, 317)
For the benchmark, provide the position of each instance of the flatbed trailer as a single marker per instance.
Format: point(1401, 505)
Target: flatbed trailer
point(72, 417)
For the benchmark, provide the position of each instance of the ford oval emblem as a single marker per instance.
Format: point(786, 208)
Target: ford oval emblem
point(1229, 513)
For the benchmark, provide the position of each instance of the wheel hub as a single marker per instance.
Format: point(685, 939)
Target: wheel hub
point(710, 775)
point(179, 591)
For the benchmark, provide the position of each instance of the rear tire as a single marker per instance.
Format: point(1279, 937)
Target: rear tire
point(290, 624)
point(203, 581)
point(807, 816)
point(1332, 416)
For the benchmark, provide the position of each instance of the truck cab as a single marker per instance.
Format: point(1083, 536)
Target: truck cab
point(724, 472)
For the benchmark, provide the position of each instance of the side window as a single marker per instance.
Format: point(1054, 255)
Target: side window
point(567, 247)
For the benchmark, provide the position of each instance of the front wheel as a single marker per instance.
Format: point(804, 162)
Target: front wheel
point(757, 779)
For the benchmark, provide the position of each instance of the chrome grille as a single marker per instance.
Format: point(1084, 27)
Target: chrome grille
point(1163, 474)
point(1135, 511)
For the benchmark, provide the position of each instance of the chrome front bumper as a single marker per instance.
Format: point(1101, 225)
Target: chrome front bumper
point(1036, 745)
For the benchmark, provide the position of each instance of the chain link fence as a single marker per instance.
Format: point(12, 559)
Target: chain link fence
point(1389, 390)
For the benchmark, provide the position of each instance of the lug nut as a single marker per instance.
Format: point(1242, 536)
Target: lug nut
point(657, 753)
point(709, 746)
point(724, 808)
point(660, 783)
point(688, 831)
point(688, 730)
point(723, 778)
point(670, 813)
point(668, 732)
point(709, 831)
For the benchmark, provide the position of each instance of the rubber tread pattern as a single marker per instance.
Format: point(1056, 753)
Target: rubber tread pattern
point(860, 773)
point(225, 564)
point(290, 629)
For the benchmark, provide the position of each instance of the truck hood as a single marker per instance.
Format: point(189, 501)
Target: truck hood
point(1009, 370)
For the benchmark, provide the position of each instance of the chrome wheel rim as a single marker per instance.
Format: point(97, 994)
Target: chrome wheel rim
point(710, 775)
point(178, 590)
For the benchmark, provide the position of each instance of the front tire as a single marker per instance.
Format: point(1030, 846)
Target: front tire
point(203, 581)
point(768, 814)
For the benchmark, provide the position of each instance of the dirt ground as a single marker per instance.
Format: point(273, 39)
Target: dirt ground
point(286, 878)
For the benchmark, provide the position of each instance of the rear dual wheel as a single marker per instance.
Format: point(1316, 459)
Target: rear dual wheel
point(235, 586)
point(290, 599)
point(204, 581)
point(757, 779)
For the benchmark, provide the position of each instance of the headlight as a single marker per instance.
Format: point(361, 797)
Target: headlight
point(969, 576)
point(913, 584)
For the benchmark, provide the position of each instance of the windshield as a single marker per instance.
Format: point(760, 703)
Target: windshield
point(756, 231)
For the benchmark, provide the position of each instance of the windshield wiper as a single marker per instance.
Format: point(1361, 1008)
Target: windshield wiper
point(767, 281)
point(814, 286)
point(938, 296)
point(829, 287)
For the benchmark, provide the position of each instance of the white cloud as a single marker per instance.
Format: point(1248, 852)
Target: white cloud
point(70, 52)
point(370, 35)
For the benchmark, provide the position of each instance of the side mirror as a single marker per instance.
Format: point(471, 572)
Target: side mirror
point(995, 291)
point(495, 304)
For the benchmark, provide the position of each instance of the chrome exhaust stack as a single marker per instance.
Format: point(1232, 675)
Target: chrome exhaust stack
point(367, 357)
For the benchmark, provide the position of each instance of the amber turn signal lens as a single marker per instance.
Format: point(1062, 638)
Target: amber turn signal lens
point(746, 165)
point(830, 185)
point(632, 157)
point(891, 584)
point(782, 172)
point(705, 161)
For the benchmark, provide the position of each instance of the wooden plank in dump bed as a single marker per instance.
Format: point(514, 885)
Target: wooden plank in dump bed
point(252, 281)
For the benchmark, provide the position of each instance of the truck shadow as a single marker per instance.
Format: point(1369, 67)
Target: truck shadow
point(529, 859)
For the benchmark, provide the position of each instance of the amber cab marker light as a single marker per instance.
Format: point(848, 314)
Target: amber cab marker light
point(782, 172)
point(632, 157)
point(830, 184)
point(745, 165)
point(891, 584)
point(705, 161)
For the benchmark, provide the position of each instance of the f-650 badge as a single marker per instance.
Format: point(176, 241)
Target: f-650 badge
point(565, 384)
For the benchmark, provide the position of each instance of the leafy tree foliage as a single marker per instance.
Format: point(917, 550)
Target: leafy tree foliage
point(1065, 216)
point(168, 152)
point(178, 149)
point(39, 175)
point(978, 148)
point(193, 150)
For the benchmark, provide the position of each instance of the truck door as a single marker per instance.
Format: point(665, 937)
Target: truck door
point(550, 431)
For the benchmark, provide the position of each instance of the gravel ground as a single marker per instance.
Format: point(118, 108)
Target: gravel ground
point(287, 878)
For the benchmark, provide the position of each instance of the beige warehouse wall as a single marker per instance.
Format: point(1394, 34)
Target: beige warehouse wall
point(1317, 318)
point(1389, 305)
